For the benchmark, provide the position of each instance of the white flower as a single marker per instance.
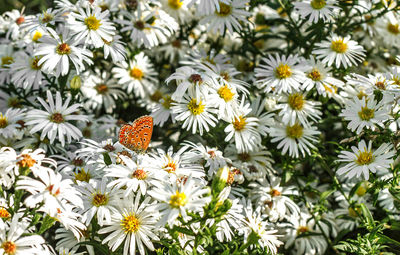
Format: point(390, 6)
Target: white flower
point(196, 114)
point(363, 159)
point(177, 199)
point(26, 72)
point(162, 111)
point(92, 25)
point(9, 122)
point(294, 138)
point(115, 48)
point(56, 52)
point(12, 241)
point(208, 6)
point(100, 200)
point(294, 107)
point(316, 9)
point(55, 119)
point(280, 74)
point(388, 29)
point(137, 76)
point(134, 225)
point(41, 21)
point(227, 17)
point(339, 50)
point(364, 113)
point(8, 158)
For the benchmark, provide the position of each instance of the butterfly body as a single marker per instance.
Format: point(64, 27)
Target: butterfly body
point(137, 136)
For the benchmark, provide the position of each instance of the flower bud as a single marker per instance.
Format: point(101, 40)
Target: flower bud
point(220, 180)
point(75, 82)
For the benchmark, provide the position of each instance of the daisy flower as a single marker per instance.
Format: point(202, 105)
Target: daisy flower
point(227, 17)
point(55, 119)
point(339, 50)
point(364, 113)
point(243, 130)
point(10, 122)
point(294, 107)
point(318, 76)
point(162, 111)
point(363, 159)
point(206, 7)
point(12, 241)
point(92, 25)
point(41, 21)
point(267, 238)
point(15, 19)
point(195, 114)
point(56, 52)
point(26, 72)
point(115, 48)
point(294, 138)
point(177, 199)
point(388, 28)
point(100, 200)
point(280, 74)
point(137, 76)
point(134, 224)
point(177, 9)
point(316, 9)
point(8, 159)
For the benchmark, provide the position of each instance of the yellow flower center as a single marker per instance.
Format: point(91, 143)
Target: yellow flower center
point(239, 123)
point(136, 73)
point(366, 113)
point(56, 118)
point(92, 23)
point(318, 4)
point(6, 60)
point(156, 96)
point(224, 10)
point(47, 17)
point(167, 102)
point(283, 71)
point(139, 174)
point(275, 193)
point(296, 101)
point(99, 199)
point(380, 85)
point(3, 121)
point(195, 108)
point(178, 199)
point(365, 158)
point(35, 63)
point(170, 167)
point(339, 46)
point(393, 28)
point(302, 229)
point(26, 161)
point(130, 224)
point(225, 93)
point(9, 247)
point(82, 175)
point(361, 190)
point(4, 214)
point(101, 88)
point(354, 213)
point(244, 157)
point(175, 4)
point(36, 36)
point(295, 131)
point(315, 75)
point(63, 49)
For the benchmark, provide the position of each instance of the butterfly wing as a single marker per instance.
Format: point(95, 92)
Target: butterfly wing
point(137, 136)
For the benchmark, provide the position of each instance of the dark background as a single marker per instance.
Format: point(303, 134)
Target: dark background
point(31, 6)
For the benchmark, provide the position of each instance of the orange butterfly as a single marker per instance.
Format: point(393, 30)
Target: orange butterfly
point(137, 136)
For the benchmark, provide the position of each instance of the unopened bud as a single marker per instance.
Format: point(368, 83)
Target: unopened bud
point(75, 83)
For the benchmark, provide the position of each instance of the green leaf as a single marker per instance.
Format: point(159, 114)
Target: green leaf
point(326, 194)
point(368, 216)
point(184, 230)
point(103, 250)
point(47, 223)
point(389, 240)
point(107, 159)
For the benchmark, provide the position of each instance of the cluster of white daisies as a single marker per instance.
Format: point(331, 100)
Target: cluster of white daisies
point(261, 142)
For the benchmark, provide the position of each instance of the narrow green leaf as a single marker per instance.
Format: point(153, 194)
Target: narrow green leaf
point(367, 214)
point(389, 240)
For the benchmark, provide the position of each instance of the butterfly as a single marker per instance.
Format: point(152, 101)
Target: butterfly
point(137, 136)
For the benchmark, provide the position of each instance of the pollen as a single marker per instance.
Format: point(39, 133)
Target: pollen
point(275, 193)
point(302, 229)
point(366, 113)
point(101, 88)
point(57, 118)
point(130, 224)
point(315, 75)
point(178, 199)
point(36, 36)
point(318, 4)
point(35, 63)
point(380, 85)
point(10, 248)
point(20, 20)
point(170, 167)
point(6, 60)
point(4, 214)
point(195, 78)
point(226, 93)
point(195, 108)
point(3, 121)
point(283, 71)
point(92, 23)
point(339, 46)
point(136, 73)
point(393, 28)
point(239, 123)
point(295, 131)
point(296, 101)
point(99, 199)
point(26, 161)
point(47, 17)
point(63, 49)
point(139, 174)
point(224, 10)
point(175, 4)
point(365, 158)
